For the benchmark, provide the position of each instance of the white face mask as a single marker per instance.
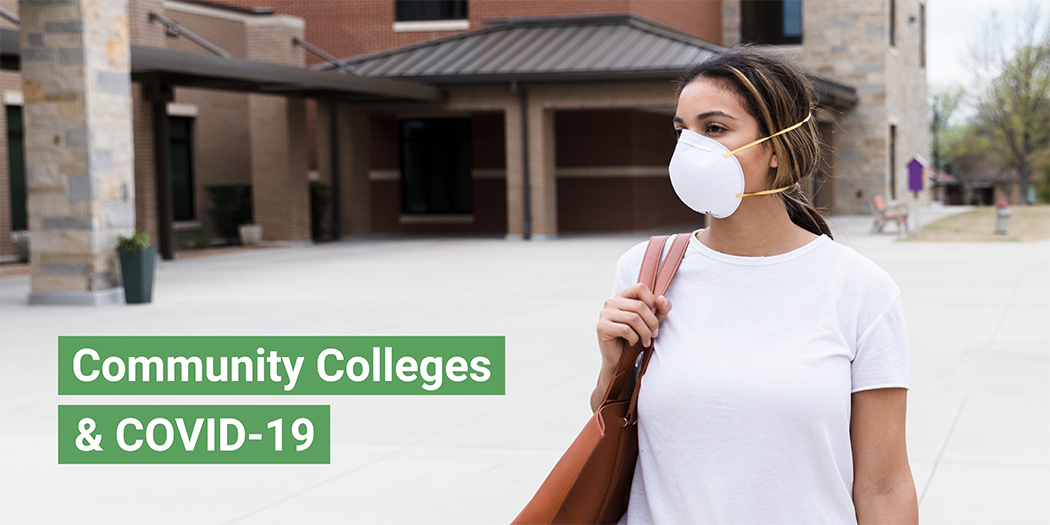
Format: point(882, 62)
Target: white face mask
point(707, 176)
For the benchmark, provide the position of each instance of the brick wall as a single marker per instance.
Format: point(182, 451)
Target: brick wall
point(613, 138)
point(489, 186)
point(145, 171)
point(349, 28)
point(221, 151)
point(630, 190)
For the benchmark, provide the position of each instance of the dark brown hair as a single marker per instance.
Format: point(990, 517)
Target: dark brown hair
point(777, 95)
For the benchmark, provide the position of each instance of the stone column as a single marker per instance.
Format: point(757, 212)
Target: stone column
point(80, 187)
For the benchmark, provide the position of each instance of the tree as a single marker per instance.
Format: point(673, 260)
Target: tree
point(970, 156)
point(1013, 96)
point(943, 105)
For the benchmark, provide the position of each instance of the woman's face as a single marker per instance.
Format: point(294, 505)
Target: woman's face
point(708, 108)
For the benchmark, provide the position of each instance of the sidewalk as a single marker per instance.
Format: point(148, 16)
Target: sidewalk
point(979, 406)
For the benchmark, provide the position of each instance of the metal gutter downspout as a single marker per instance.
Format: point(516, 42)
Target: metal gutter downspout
point(336, 196)
point(526, 232)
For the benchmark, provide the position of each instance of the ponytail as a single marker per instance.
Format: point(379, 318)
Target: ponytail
point(804, 215)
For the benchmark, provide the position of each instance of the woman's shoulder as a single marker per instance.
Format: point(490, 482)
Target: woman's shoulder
point(633, 256)
point(857, 271)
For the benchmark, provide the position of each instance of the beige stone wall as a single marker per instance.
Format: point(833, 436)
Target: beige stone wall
point(847, 41)
point(907, 98)
point(80, 189)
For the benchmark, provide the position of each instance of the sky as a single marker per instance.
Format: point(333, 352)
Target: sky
point(952, 26)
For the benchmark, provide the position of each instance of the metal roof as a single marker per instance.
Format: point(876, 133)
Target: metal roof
point(179, 68)
point(605, 47)
point(621, 47)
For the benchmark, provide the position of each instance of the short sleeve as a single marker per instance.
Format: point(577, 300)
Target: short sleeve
point(881, 359)
point(627, 267)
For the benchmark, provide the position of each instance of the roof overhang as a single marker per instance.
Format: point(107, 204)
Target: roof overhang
point(180, 68)
point(616, 48)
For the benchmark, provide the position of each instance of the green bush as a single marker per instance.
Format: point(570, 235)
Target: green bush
point(1041, 181)
point(318, 206)
point(22, 247)
point(133, 243)
point(230, 205)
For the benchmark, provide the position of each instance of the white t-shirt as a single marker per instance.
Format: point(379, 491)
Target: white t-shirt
point(745, 407)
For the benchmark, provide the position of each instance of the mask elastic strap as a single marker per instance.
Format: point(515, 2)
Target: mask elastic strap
point(761, 140)
point(767, 192)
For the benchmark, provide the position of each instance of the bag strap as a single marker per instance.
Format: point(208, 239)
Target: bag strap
point(658, 284)
point(647, 276)
point(663, 281)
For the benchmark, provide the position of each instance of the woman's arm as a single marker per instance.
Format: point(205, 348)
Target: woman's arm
point(632, 316)
point(883, 489)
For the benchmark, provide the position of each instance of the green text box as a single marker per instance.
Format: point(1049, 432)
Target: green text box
point(194, 430)
point(230, 365)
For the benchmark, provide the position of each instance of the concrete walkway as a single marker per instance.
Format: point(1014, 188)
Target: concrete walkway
point(979, 407)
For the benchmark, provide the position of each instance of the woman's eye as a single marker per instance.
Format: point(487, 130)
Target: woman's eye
point(677, 133)
point(715, 128)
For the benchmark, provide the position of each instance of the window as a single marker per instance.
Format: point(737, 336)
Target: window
point(893, 22)
point(773, 22)
point(425, 10)
point(435, 166)
point(16, 163)
point(893, 162)
point(922, 35)
point(181, 137)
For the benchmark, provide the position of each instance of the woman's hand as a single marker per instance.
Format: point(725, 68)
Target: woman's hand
point(633, 315)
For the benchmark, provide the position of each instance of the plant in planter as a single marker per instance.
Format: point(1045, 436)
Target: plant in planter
point(137, 264)
point(251, 234)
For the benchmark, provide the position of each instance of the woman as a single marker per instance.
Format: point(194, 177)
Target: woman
point(777, 388)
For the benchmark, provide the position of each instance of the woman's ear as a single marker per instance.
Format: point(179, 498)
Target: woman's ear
point(773, 161)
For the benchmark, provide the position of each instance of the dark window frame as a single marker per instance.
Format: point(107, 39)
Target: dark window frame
point(190, 172)
point(429, 10)
point(922, 36)
point(445, 191)
point(765, 21)
point(16, 178)
point(893, 23)
point(893, 162)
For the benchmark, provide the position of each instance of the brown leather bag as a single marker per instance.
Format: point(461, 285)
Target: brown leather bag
point(591, 483)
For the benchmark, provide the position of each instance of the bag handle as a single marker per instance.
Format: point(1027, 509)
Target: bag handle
point(663, 281)
point(658, 284)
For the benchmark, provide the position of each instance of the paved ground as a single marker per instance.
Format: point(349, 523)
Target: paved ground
point(979, 408)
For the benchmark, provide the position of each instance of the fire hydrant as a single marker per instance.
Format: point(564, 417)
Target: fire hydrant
point(1003, 214)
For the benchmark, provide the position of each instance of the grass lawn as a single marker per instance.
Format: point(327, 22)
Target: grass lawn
point(1028, 223)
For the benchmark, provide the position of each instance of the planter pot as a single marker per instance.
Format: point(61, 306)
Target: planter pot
point(136, 268)
point(251, 234)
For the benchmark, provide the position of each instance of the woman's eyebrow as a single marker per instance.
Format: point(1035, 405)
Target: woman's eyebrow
point(716, 113)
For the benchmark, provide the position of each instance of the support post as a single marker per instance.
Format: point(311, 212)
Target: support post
point(159, 94)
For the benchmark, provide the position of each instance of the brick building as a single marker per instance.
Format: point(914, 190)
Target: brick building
point(552, 116)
